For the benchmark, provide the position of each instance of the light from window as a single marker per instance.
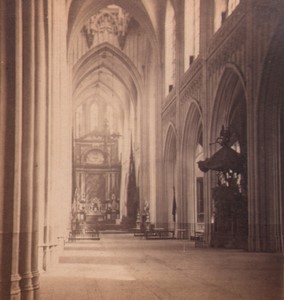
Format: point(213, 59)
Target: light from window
point(191, 31)
point(232, 4)
point(170, 40)
point(94, 116)
point(110, 119)
point(78, 121)
point(223, 8)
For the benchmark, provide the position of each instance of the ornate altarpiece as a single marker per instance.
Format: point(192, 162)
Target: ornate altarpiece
point(97, 171)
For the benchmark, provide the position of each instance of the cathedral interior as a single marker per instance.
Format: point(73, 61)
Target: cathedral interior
point(148, 119)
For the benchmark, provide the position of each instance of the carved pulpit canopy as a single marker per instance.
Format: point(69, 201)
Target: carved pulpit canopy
point(226, 158)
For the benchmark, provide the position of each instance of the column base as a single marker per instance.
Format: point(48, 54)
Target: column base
point(265, 238)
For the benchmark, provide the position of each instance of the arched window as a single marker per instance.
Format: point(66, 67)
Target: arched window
point(232, 4)
point(94, 116)
point(78, 121)
point(223, 8)
point(191, 31)
point(110, 119)
point(170, 40)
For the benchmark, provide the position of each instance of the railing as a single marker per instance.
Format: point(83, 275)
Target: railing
point(78, 235)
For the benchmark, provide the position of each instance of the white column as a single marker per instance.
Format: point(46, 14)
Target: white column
point(15, 278)
point(40, 137)
point(28, 144)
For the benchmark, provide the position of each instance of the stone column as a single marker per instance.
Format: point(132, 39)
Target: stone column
point(182, 217)
point(40, 134)
point(10, 162)
point(254, 207)
point(23, 130)
point(207, 31)
point(19, 274)
point(28, 143)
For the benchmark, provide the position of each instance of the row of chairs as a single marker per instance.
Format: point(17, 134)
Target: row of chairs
point(160, 233)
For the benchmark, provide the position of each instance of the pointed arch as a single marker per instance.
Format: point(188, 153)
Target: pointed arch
point(191, 138)
point(104, 73)
point(169, 177)
point(107, 56)
point(230, 110)
point(230, 105)
point(80, 11)
point(171, 133)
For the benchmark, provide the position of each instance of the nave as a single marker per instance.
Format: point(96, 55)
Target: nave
point(120, 266)
point(115, 114)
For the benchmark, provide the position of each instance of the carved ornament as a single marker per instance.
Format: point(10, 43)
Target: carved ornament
point(113, 20)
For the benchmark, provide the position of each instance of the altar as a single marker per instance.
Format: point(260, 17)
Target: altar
point(97, 170)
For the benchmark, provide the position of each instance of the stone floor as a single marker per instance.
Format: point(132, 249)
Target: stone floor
point(122, 267)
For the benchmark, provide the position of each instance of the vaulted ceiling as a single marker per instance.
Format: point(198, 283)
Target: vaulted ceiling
point(110, 44)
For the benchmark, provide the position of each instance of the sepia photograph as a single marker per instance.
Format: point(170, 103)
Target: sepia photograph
point(142, 149)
